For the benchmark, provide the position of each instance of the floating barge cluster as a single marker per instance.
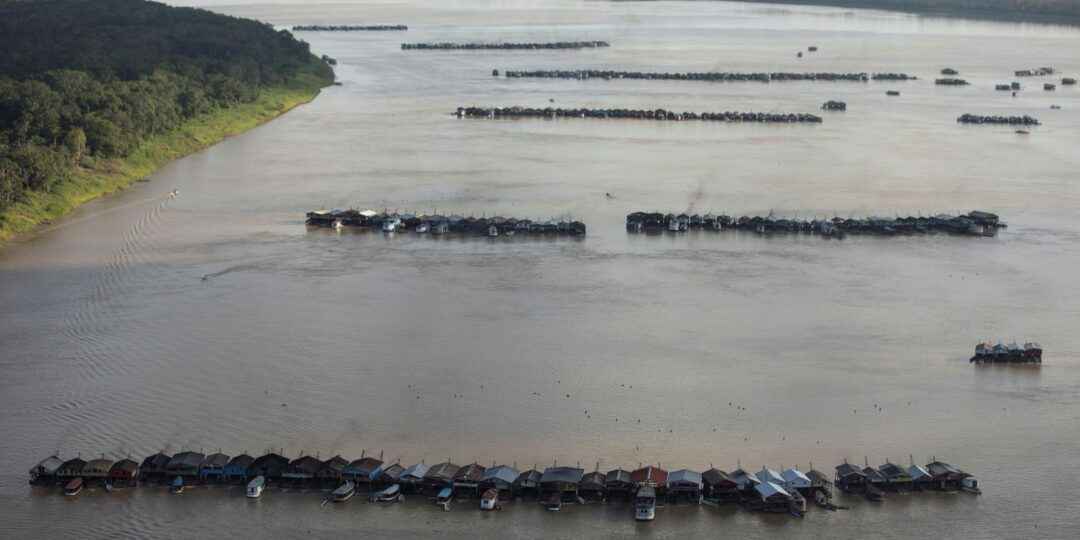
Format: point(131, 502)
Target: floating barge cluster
point(635, 114)
point(1034, 72)
point(834, 106)
point(506, 46)
point(975, 223)
point(647, 486)
point(439, 224)
point(1011, 353)
point(949, 71)
point(582, 74)
point(348, 28)
point(1011, 120)
point(950, 81)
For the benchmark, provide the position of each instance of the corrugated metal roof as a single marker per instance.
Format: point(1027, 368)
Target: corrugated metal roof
point(568, 475)
point(649, 474)
point(769, 489)
point(767, 475)
point(414, 472)
point(617, 476)
point(47, 465)
point(595, 478)
point(217, 460)
point(684, 476)
point(470, 473)
point(795, 478)
point(505, 473)
point(185, 459)
point(442, 470)
point(243, 461)
point(716, 476)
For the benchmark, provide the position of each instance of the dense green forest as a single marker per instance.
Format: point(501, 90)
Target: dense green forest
point(88, 80)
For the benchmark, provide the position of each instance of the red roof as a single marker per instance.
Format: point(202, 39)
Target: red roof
point(649, 474)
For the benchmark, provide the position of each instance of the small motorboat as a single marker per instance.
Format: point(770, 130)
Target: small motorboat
point(177, 485)
point(1055, 107)
point(710, 502)
point(554, 503)
point(892, 93)
point(109, 487)
point(338, 224)
point(509, 233)
point(255, 487)
point(73, 487)
point(798, 502)
point(1024, 131)
point(970, 485)
point(389, 494)
point(796, 513)
point(391, 224)
point(443, 497)
point(422, 228)
point(344, 492)
point(489, 500)
point(874, 494)
point(493, 231)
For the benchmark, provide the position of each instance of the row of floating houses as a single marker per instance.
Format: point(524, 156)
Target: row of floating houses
point(765, 490)
point(506, 46)
point(439, 224)
point(1011, 353)
point(975, 223)
point(634, 114)
point(711, 76)
point(1024, 120)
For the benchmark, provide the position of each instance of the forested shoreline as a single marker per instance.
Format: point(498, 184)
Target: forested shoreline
point(84, 83)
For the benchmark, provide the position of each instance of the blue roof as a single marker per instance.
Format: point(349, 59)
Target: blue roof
point(445, 492)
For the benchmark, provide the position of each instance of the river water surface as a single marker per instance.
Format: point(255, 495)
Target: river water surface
point(608, 351)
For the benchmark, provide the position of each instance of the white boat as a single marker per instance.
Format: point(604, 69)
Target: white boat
point(645, 504)
point(673, 225)
point(391, 224)
point(509, 233)
point(489, 500)
point(493, 231)
point(338, 224)
point(444, 496)
point(255, 487)
point(177, 485)
point(389, 494)
point(344, 492)
point(554, 503)
point(73, 487)
point(970, 485)
point(422, 228)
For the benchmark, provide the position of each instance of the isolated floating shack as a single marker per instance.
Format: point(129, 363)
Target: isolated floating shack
point(897, 478)
point(850, 479)
point(363, 471)
point(212, 469)
point(123, 473)
point(236, 469)
point(719, 486)
point(771, 498)
point(592, 486)
point(946, 476)
point(617, 485)
point(440, 476)
point(795, 480)
point(45, 471)
point(412, 478)
point(527, 484)
point(684, 486)
point(269, 466)
point(388, 477)
point(185, 465)
point(563, 481)
point(301, 471)
point(96, 471)
point(467, 480)
point(501, 479)
point(329, 475)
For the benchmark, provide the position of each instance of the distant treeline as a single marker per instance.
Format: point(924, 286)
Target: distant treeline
point(1051, 11)
point(88, 79)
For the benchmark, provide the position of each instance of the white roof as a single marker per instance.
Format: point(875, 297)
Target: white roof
point(768, 489)
point(414, 471)
point(769, 475)
point(796, 478)
point(369, 213)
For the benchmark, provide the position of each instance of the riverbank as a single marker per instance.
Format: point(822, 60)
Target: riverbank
point(85, 183)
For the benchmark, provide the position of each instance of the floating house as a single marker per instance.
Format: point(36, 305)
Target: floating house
point(527, 484)
point(921, 479)
point(745, 480)
point(123, 473)
point(564, 481)
point(849, 479)
point(795, 480)
point(387, 477)
point(820, 482)
point(684, 486)
point(592, 486)
point(897, 478)
point(185, 465)
point(70, 469)
point(769, 475)
point(618, 486)
point(212, 469)
point(440, 476)
point(651, 476)
point(500, 478)
point(771, 498)
point(152, 469)
point(466, 481)
point(330, 473)
point(876, 478)
point(363, 471)
point(97, 470)
point(719, 486)
point(45, 471)
point(236, 469)
point(412, 478)
point(946, 476)
point(269, 466)
point(301, 471)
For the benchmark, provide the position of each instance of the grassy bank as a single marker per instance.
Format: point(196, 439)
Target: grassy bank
point(94, 179)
